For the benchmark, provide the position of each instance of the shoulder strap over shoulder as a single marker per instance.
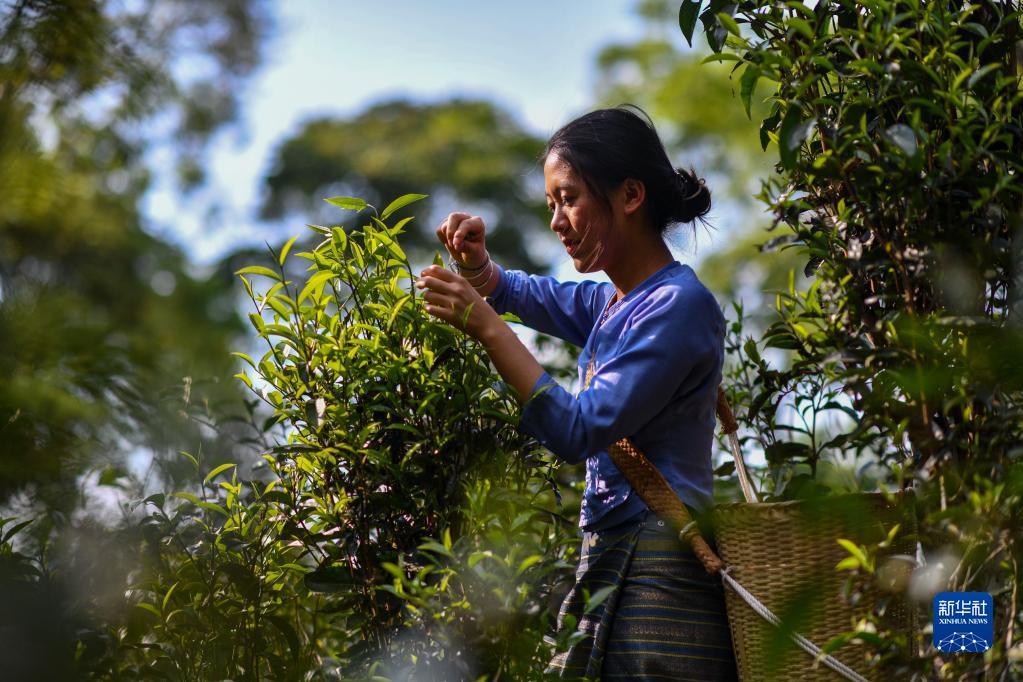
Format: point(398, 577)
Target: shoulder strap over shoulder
point(653, 489)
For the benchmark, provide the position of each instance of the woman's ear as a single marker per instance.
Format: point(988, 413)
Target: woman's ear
point(633, 193)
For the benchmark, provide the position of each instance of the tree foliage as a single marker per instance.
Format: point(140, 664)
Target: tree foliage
point(398, 525)
point(690, 95)
point(464, 151)
point(899, 138)
point(690, 100)
point(103, 325)
point(395, 433)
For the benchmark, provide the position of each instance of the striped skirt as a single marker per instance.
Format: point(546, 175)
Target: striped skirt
point(658, 616)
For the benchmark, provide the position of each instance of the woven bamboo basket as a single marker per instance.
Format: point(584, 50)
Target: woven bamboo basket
point(779, 561)
point(785, 553)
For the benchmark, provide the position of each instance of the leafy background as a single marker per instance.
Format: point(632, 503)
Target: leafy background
point(291, 473)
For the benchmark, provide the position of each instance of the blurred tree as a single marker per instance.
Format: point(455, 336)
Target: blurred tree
point(468, 155)
point(104, 330)
point(693, 104)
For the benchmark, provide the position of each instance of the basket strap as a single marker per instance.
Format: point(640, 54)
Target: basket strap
point(649, 483)
point(653, 489)
point(729, 427)
point(802, 642)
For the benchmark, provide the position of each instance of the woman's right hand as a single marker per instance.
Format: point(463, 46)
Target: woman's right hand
point(464, 236)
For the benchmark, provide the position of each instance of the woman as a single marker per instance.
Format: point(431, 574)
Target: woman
point(655, 335)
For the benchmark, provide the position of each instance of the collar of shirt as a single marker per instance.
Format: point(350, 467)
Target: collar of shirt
point(610, 325)
point(671, 269)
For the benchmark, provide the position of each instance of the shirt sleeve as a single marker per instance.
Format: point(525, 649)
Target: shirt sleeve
point(567, 310)
point(674, 345)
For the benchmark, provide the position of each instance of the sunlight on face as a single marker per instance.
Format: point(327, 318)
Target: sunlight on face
point(577, 216)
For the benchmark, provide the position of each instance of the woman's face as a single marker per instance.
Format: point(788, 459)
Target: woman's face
point(578, 217)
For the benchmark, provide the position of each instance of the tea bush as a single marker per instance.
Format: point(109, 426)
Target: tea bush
point(898, 126)
point(395, 526)
point(389, 421)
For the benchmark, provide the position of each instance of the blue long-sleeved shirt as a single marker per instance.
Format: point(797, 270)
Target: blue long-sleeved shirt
point(658, 359)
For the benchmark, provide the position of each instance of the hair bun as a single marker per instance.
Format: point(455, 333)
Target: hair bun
point(693, 197)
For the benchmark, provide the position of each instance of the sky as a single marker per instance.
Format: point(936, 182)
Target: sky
point(536, 59)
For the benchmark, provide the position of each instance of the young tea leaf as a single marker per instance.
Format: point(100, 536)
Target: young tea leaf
point(348, 203)
point(259, 270)
point(286, 249)
point(218, 470)
point(748, 85)
point(401, 202)
point(729, 23)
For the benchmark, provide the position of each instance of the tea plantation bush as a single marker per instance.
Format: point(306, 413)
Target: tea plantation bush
point(396, 526)
point(898, 126)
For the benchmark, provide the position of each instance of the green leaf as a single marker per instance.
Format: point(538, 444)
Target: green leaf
point(729, 23)
point(191, 458)
point(109, 477)
point(219, 470)
point(599, 597)
point(714, 32)
point(189, 497)
point(855, 550)
point(391, 245)
point(150, 609)
point(259, 270)
point(477, 557)
point(721, 57)
point(527, 563)
point(13, 530)
point(248, 287)
point(793, 133)
point(244, 357)
point(401, 202)
point(747, 85)
point(726, 469)
point(348, 203)
point(767, 127)
point(315, 284)
point(801, 26)
point(687, 16)
point(156, 499)
point(282, 310)
point(329, 579)
point(400, 225)
point(980, 73)
point(339, 240)
point(511, 317)
point(436, 547)
point(288, 631)
point(404, 427)
point(257, 322)
point(286, 249)
point(212, 507)
point(166, 597)
point(847, 564)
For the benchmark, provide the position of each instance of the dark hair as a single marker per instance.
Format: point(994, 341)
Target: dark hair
point(607, 146)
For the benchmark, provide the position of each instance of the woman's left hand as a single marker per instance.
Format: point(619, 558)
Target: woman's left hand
point(448, 296)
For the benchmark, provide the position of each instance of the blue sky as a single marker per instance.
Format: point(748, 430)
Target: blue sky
point(534, 58)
